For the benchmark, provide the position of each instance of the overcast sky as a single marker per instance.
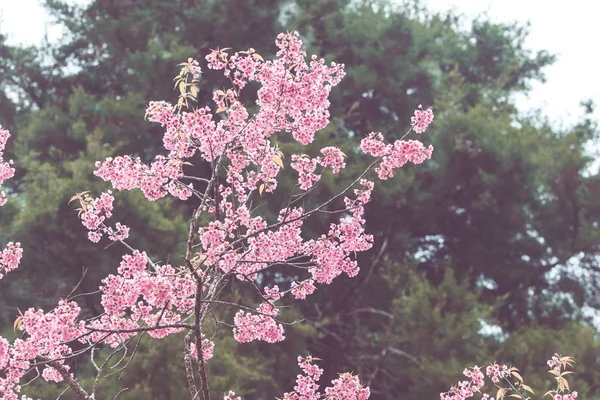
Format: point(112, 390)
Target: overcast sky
point(568, 29)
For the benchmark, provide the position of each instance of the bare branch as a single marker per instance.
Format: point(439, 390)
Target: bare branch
point(71, 381)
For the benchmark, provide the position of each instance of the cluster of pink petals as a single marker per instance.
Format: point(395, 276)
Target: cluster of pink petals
point(302, 289)
point(394, 156)
point(466, 389)
point(137, 296)
point(132, 298)
point(261, 326)
point(421, 120)
point(4, 352)
point(231, 396)
point(10, 257)
point(306, 170)
point(208, 347)
point(346, 387)
point(331, 254)
point(332, 158)
point(306, 166)
point(156, 181)
point(568, 396)
point(293, 100)
point(497, 372)
point(96, 213)
point(46, 334)
point(555, 364)
point(6, 171)
point(194, 68)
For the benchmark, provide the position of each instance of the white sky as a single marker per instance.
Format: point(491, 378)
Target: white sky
point(568, 29)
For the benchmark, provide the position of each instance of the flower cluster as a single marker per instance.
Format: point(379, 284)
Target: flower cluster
point(208, 347)
point(302, 289)
point(333, 158)
point(497, 372)
point(94, 212)
point(306, 170)
point(467, 389)
point(261, 326)
point(137, 296)
point(554, 363)
point(46, 334)
point(10, 257)
point(306, 166)
point(155, 182)
point(231, 396)
point(292, 99)
point(346, 387)
point(134, 297)
point(6, 171)
point(559, 370)
point(421, 119)
point(396, 155)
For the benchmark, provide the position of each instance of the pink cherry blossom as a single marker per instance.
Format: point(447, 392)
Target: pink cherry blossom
point(229, 239)
point(10, 257)
point(421, 120)
point(6, 171)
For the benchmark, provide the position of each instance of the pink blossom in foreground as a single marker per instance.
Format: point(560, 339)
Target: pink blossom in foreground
point(6, 171)
point(346, 387)
point(306, 168)
point(207, 349)
point(10, 257)
point(303, 289)
point(466, 389)
point(231, 396)
point(234, 243)
point(95, 212)
point(4, 353)
point(333, 158)
point(421, 119)
point(394, 156)
point(497, 373)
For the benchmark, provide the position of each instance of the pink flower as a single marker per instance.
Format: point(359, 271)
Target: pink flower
point(6, 171)
point(4, 352)
point(236, 243)
point(10, 257)
point(421, 119)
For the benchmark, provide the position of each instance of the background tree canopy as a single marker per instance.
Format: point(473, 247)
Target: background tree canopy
point(489, 251)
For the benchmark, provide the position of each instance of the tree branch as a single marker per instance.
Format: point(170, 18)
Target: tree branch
point(71, 381)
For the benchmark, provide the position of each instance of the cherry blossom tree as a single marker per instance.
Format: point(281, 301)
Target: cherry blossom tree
point(228, 239)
